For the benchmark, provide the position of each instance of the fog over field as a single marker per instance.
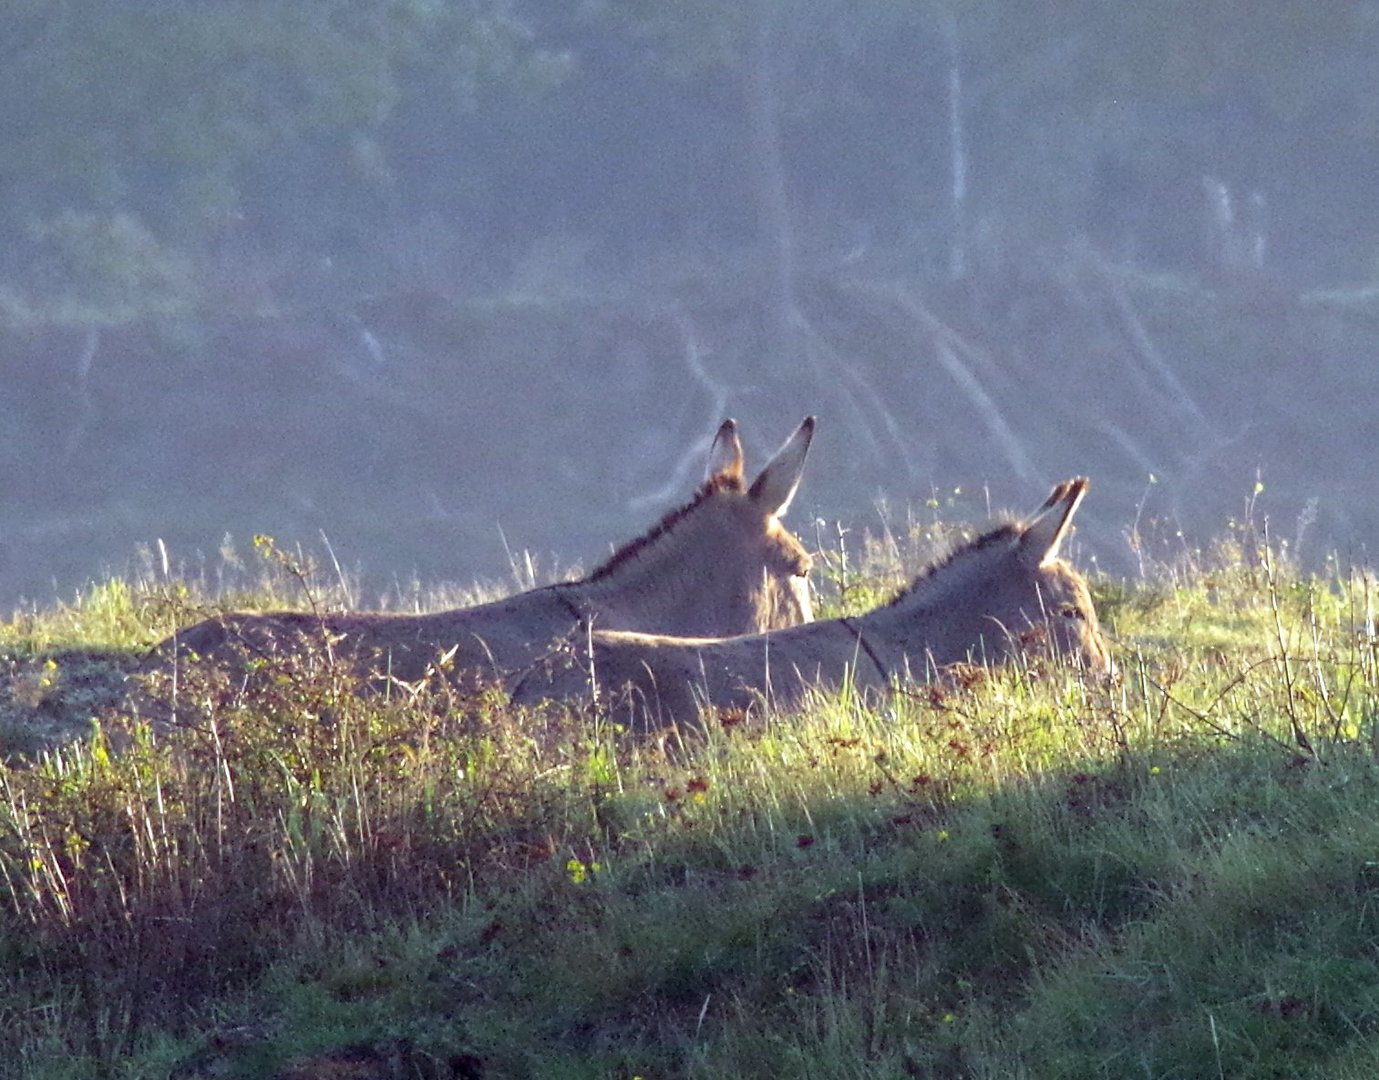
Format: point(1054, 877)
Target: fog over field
point(450, 283)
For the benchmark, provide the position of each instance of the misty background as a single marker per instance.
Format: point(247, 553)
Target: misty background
point(444, 280)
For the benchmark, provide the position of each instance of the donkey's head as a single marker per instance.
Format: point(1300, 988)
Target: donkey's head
point(723, 564)
point(1008, 592)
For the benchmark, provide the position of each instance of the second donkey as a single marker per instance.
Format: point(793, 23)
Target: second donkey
point(1002, 594)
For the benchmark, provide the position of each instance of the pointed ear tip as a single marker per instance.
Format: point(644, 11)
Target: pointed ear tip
point(802, 434)
point(1069, 490)
point(725, 452)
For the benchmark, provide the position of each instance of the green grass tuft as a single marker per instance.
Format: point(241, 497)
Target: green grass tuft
point(1012, 873)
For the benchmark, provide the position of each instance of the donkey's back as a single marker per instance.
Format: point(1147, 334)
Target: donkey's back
point(1004, 594)
point(488, 641)
point(721, 564)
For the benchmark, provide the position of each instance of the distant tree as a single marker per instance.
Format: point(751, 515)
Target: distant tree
point(1115, 115)
point(184, 113)
point(815, 131)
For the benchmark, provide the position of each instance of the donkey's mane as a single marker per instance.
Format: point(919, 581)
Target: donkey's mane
point(1010, 530)
point(633, 548)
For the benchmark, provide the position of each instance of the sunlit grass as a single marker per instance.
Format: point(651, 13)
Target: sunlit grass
point(1018, 872)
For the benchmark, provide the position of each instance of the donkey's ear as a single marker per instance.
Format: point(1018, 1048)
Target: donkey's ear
point(773, 489)
point(1045, 531)
point(725, 455)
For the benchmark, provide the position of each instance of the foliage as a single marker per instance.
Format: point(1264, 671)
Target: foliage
point(1015, 872)
point(93, 269)
point(254, 132)
point(178, 119)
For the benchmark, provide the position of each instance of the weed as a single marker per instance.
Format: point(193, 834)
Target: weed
point(1015, 872)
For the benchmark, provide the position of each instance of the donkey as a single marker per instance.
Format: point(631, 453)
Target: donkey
point(722, 564)
point(996, 596)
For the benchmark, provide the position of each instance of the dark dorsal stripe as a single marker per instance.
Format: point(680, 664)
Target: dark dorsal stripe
point(630, 550)
point(569, 605)
point(866, 648)
point(998, 535)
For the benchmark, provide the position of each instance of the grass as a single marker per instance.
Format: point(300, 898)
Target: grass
point(1020, 873)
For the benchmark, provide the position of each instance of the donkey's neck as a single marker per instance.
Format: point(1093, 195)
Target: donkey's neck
point(648, 589)
point(943, 610)
point(957, 577)
point(664, 582)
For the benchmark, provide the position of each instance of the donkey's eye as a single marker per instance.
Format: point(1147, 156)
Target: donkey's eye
point(1070, 611)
